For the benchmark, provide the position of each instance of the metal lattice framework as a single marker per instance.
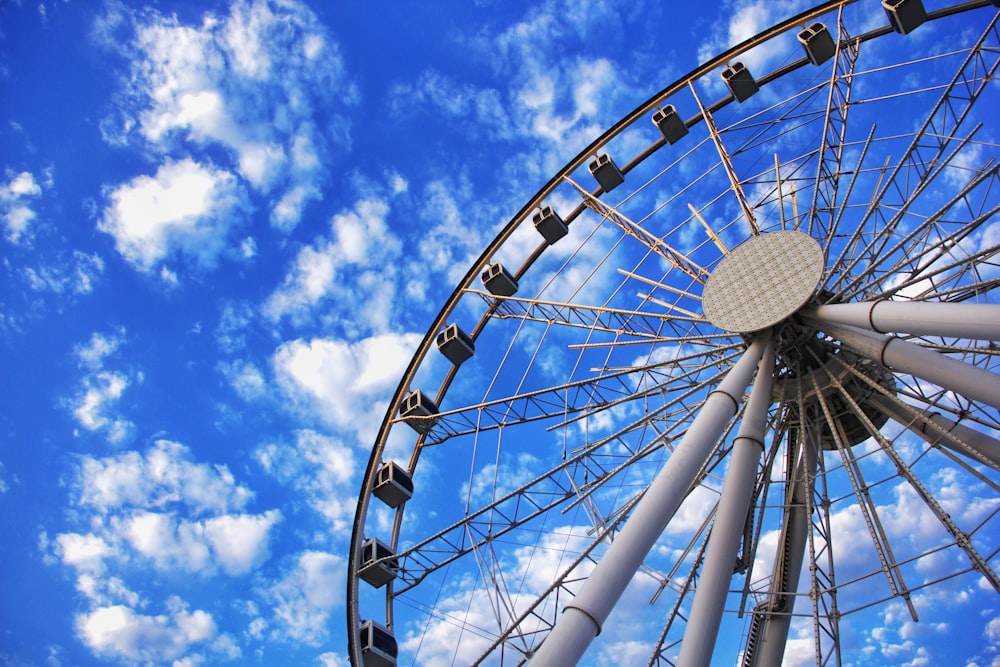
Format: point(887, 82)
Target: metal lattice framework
point(596, 437)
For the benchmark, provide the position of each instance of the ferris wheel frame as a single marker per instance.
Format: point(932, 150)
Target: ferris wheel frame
point(847, 321)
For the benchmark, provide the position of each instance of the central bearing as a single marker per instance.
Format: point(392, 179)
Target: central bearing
point(763, 281)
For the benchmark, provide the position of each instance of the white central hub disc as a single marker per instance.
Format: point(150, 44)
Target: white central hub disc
point(763, 281)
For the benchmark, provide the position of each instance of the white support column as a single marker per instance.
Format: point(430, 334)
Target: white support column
point(986, 446)
point(582, 618)
point(790, 556)
point(951, 374)
point(717, 572)
point(978, 321)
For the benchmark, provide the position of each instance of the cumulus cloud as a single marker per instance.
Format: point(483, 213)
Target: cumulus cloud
point(172, 512)
point(353, 264)
point(185, 209)
point(16, 199)
point(245, 378)
point(84, 552)
point(160, 511)
point(339, 381)
point(162, 476)
point(95, 405)
point(305, 597)
point(118, 631)
point(250, 81)
point(235, 543)
point(320, 469)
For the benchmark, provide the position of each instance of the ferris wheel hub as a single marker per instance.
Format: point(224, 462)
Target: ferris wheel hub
point(763, 281)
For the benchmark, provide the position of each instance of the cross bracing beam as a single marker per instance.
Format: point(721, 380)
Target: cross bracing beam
point(923, 158)
point(617, 321)
point(583, 397)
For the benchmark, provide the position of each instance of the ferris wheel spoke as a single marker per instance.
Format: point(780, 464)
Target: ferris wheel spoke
point(727, 163)
point(944, 273)
point(563, 487)
point(895, 218)
point(923, 158)
point(961, 538)
point(629, 323)
point(932, 236)
point(652, 242)
point(834, 134)
point(538, 617)
point(935, 428)
point(862, 491)
point(582, 398)
point(663, 644)
point(484, 525)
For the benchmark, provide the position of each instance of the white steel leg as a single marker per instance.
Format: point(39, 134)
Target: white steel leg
point(773, 634)
point(986, 446)
point(582, 619)
point(951, 374)
point(717, 572)
point(979, 321)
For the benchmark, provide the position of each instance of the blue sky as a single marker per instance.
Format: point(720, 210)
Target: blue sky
point(226, 227)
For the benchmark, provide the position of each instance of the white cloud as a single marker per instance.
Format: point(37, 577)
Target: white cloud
point(84, 552)
point(153, 503)
point(156, 511)
point(237, 543)
point(287, 212)
point(320, 469)
point(163, 475)
point(306, 596)
point(332, 660)
point(102, 391)
point(186, 208)
point(95, 404)
point(240, 542)
point(171, 545)
point(74, 274)
point(340, 381)
point(118, 631)
point(105, 591)
point(249, 81)
point(15, 204)
point(245, 378)
point(353, 264)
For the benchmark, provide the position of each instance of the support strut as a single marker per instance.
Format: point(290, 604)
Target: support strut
point(582, 618)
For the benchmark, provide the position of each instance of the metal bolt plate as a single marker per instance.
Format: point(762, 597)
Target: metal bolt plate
point(763, 281)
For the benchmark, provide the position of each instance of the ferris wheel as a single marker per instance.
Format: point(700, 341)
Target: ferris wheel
point(728, 385)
